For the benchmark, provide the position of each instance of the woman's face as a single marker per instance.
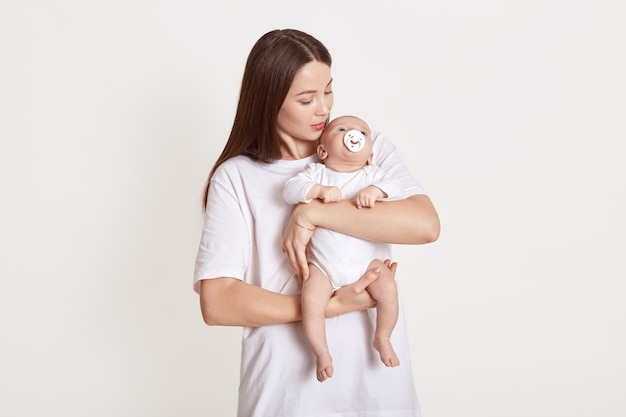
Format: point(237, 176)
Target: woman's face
point(306, 108)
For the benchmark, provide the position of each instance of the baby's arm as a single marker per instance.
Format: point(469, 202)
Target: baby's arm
point(368, 196)
point(304, 187)
point(326, 193)
point(383, 188)
point(298, 188)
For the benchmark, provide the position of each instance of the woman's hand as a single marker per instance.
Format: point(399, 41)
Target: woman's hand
point(355, 297)
point(295, 239)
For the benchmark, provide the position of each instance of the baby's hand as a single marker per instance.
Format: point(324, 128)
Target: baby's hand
point(330, 194)
point(367, 197)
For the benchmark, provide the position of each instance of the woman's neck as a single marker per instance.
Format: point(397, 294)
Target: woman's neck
point(297, 150)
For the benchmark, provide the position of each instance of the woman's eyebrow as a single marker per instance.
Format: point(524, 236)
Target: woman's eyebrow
point(313, 91)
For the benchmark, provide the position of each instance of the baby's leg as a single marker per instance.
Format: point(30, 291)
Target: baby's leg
point(385, 292)
point(316, 292)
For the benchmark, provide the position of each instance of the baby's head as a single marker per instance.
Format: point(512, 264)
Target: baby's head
point(346, 144)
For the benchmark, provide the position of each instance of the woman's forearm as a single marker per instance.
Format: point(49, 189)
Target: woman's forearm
point(231, 302)
point(410, 221)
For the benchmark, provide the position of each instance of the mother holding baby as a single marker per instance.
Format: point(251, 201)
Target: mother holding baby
point(251, 255)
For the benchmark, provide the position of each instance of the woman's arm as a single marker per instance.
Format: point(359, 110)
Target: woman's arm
point(410, 221)
point(232, 302)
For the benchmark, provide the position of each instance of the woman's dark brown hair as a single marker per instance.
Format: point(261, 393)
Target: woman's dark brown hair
point(271, 67)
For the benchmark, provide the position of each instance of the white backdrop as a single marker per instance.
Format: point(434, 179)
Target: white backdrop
point(511, 114)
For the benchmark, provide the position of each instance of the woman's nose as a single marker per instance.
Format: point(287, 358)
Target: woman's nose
point(323, 108)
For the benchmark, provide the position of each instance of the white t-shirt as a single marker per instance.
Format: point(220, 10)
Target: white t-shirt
point(342, 258)
point(242, 238)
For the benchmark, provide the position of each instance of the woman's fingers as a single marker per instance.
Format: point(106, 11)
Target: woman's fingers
point(355, 296)
point(370, 276)
point(295, 240)
point(302, 264)
point(391, 265)
point(290, 256)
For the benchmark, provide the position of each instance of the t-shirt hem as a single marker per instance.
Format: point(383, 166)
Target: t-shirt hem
point(202, 275)
point(377, 413)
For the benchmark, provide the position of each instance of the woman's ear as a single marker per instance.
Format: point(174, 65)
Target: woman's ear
point(321, 152)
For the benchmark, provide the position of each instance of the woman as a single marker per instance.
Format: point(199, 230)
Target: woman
point(245, 264)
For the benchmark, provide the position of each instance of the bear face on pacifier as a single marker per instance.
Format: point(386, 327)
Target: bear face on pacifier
point(354, 140)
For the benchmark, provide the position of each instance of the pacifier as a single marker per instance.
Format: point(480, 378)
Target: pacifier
point(354, 140)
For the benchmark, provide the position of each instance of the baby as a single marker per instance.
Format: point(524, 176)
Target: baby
point(336, 259)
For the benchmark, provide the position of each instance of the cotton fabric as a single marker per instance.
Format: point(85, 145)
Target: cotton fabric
point(242, 238)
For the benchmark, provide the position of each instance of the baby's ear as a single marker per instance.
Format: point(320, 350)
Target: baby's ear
point(321, 152)
point(369, 160)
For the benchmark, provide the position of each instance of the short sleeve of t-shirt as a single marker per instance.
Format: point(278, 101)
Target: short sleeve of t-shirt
point(387, 157)
point(225, 234)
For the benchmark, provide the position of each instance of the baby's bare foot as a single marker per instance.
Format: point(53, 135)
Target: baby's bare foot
point(387, 354)
point(324, 367)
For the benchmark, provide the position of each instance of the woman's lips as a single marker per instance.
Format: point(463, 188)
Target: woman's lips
point(319, 126)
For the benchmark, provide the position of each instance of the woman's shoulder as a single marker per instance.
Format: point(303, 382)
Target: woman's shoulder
point(380, 140)
point(381, 146)
point(235, 166)
point(232, 172)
